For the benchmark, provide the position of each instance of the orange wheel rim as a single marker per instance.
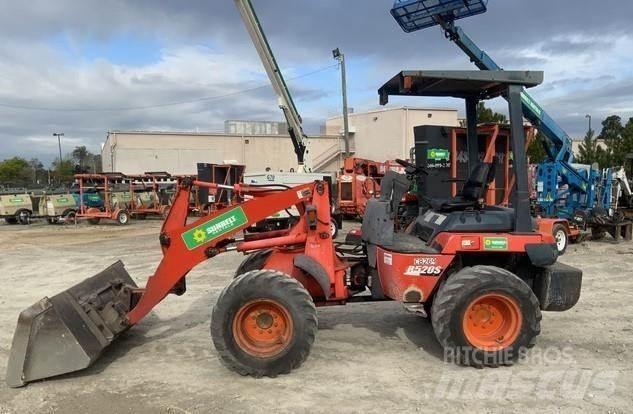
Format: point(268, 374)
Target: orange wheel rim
point(262, 328)
point(492, 322)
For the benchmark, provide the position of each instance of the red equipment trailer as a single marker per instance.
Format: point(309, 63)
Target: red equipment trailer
point(104, 184)
point(359, 181)
point(150, 195)
point(482, 273)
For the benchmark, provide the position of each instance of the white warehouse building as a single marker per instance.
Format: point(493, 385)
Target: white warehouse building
point(379, 135)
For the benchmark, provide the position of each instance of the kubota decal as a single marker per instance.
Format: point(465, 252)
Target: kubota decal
point(495, 243)
point(214, 228)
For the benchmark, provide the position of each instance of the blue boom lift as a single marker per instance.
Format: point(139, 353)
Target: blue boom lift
point(580, 194)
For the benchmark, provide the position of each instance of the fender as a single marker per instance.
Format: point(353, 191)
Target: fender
point(315, 270)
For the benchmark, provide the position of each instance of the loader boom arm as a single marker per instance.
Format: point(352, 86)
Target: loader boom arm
point(186, 245)
point(286, 103)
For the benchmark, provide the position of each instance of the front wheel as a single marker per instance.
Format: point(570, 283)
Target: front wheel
point(562, 238)
point(485, 316)
point(263, 324)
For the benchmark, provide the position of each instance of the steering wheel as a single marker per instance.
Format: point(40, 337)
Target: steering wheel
point(410, 168)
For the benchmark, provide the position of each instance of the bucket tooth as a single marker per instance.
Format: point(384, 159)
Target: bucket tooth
point(68, 332)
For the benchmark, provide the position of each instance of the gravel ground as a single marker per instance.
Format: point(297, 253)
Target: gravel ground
point(366, 358)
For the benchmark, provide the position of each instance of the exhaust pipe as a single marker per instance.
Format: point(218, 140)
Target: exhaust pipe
point(68, 332)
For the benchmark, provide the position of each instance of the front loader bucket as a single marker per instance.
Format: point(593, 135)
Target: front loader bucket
point(69, 331)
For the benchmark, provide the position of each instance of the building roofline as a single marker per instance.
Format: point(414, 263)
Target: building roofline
point(398, 108)
point(208, 134)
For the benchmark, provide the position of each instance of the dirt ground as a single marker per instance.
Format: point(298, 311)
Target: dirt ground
point(366, 358)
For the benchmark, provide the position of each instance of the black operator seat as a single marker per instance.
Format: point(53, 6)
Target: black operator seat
point(472, 193)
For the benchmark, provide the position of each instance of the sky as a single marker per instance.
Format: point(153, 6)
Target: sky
point(86, 67)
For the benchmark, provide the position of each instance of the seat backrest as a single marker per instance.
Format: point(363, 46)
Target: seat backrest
point(392, 188)
point(478, 181)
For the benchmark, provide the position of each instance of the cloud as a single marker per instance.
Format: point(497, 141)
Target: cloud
point(97, 54)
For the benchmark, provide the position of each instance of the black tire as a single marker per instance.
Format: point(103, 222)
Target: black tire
point(11, 220)
point(69, 216)
point(462, 289)
point(123, 217)
point(23, 217)
point(254, 261)
point(254, 287)
point(597, 233)
point(562, 238)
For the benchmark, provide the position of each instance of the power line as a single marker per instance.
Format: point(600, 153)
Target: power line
point(175, 103)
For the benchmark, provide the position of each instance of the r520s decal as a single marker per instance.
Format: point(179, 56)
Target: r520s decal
point(425, 270)
point(424, 266)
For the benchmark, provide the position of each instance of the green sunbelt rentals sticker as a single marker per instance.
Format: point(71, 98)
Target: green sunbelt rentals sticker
point(438, 154)
point(16, 200)
point(214, 228)
point(495, 243)
point(528, 101)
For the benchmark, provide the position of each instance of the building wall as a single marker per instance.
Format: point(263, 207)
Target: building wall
point(178, 153)
point(576, 143)
point(387, 134)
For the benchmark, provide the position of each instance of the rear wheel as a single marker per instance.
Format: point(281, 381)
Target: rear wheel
point(254, 261)
point(263, 324)
point(562, 238)
point(333, 228)
point(485, 316)
point(123, 217)
point(23, 217)
point(69, 216)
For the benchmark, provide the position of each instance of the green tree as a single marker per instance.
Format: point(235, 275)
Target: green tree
point(15, 171)
point(535, 151)
point(627, 139)
point(588, 150)
point(38, 173)
point(64, 171)
point(95, 163)
point(612, 134)
point(81, 155)
point(487, 115)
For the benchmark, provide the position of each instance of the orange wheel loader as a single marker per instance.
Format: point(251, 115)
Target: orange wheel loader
point(481, 273)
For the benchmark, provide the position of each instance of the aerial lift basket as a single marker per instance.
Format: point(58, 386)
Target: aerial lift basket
point(414, 15)
point(68, 332)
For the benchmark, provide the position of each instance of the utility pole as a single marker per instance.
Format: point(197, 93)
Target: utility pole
point(589, 117)
point(59, 136)
point(340, 57)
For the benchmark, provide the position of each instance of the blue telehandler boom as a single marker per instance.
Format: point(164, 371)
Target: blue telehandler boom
point(578, 193)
